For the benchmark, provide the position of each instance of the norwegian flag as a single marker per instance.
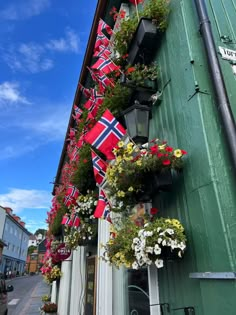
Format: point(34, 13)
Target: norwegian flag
point(102, 51)
point(93, 110)
point(74, 156)
point(105, 134)
point(65, 220)
point(78, 112)
point(81, 140)
point(104, 81)
point(99, 168)
point(105, 65)
point(85, 91)
point(76, 220)
point(93, 75)
point(71, 195)
point(101, 40)
point(96, 97)
point(102, 205)
point(103, 26)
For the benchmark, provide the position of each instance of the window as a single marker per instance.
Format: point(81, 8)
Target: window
point(11, 230)
point(15, 232)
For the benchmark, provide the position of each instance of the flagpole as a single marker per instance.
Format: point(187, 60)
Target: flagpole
point(136, 6)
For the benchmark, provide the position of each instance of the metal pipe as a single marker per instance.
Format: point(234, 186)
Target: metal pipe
point(222, 99)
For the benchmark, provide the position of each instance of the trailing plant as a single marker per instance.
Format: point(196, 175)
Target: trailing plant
point(135, 246)
point(49, 308)
point(83, 177)
point(125, 175)
point(80, 236)
point(157, 10)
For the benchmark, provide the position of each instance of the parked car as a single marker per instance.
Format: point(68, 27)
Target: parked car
point(3, 296)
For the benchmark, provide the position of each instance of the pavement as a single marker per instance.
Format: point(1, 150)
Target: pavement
point(34, 301)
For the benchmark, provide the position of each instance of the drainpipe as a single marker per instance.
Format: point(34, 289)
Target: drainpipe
point(222, 99)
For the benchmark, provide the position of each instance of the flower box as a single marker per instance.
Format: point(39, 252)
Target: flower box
point(141, 47)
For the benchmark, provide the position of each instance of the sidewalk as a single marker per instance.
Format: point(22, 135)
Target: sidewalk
point(33, 304)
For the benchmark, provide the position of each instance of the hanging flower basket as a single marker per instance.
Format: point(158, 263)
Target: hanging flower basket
point(135, 246)
point(141, 47)
point(137, 174)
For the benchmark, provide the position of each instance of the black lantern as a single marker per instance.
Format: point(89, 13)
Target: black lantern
point(136, 119)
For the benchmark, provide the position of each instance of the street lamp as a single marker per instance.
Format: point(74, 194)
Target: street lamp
point(136, 119)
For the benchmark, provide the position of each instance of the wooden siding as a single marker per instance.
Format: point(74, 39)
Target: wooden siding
point(203, 196)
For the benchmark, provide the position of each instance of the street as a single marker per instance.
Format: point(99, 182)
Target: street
point(26, 297)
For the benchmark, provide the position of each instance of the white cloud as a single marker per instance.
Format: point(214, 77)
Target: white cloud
point(10, 93)
point(24, 9)
point(33, 57)
point(20, 199)
point(70, 43)
point(40, 126)
point(34, 225)
point(28, 58)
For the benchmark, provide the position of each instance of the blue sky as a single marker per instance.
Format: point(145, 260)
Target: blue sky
point(42, 46)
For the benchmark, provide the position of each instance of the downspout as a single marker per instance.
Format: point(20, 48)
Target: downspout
point(222, 99)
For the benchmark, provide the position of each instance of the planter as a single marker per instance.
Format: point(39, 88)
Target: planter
point(141, 93)
point(141, 47)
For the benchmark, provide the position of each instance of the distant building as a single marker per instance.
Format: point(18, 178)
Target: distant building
point(16, 238)
point(2, 222)
point(32, 240)
point(35, 260)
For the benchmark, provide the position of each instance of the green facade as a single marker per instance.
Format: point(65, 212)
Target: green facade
point(203, 196)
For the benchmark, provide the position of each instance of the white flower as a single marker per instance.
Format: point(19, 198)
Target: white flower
point(158, 229)
point(159, 263)
point(138, 256)
point(135, 265)
point(149, 249)
point(157, 249)
point(164, 243)
point(140, 233)
point(137, 248)
point(136, 240)
point(159, 240)
point(149, 262)
point(148, 233)
point(170, 231)
point(182, 246)
point(146, 224)
point(180, 254)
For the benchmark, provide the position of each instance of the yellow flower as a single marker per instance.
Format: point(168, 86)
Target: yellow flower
point(178, 153)
point(121, 144)
point(139, 163)
point(120, 193)
point(131, 188)
point(130, 146)
point(162, 146)
point(119, 159)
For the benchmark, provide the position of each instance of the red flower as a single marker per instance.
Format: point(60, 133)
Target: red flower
point(153, 211)
point(122, 14)
point(154, 149)
point(159, 155)
point(113, 10)
point(169, 149)
point(166, 162)
point(183, 152)
point(130, 70)
point(125, 56)
point(85, 160)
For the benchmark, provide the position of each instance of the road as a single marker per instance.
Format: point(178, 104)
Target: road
point(26, 292)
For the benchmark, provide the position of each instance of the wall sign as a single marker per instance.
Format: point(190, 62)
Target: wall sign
point(62, 253)
point(228, 54)
point(90, 302)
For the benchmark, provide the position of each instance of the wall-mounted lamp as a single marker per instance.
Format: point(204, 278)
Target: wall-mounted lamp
point(136, 119)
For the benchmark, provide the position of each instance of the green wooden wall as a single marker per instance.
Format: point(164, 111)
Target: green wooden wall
point(203, 196)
